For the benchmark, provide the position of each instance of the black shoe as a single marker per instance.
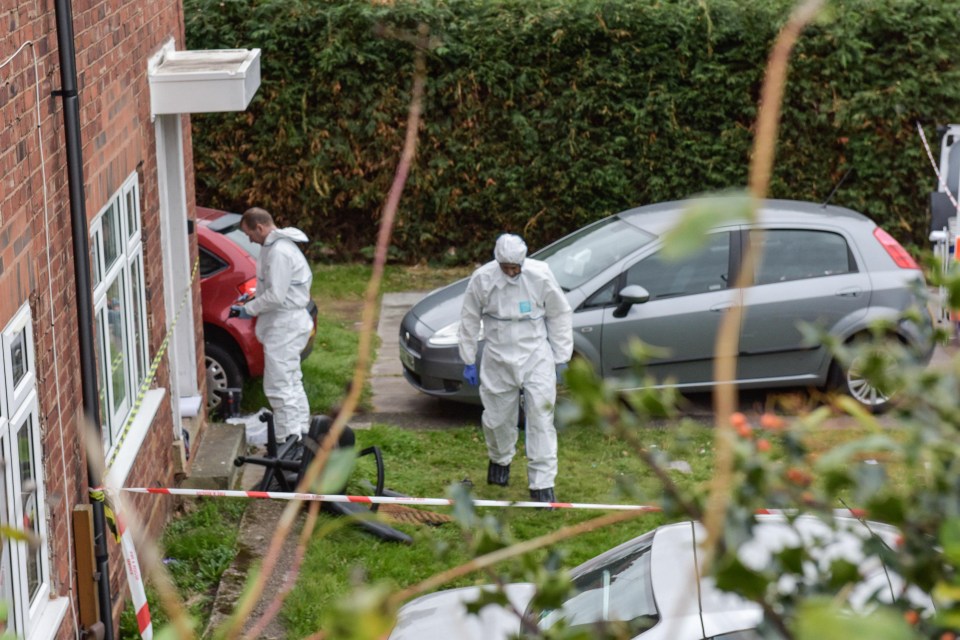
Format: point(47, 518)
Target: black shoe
point(498, 474)
point(543, 495)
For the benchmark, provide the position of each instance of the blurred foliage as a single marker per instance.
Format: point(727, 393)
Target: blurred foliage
point(543, 115)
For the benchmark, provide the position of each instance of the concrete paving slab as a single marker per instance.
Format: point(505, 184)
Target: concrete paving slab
point(394, 400)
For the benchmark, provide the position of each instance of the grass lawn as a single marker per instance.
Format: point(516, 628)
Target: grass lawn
point(594, 467)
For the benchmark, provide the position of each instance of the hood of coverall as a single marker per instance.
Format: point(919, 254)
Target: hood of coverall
point(291, 233)
point(510, 249)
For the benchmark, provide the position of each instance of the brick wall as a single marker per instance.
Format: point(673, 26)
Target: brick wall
point(114, 39)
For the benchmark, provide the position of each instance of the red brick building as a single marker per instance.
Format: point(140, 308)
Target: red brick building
point(137, 188)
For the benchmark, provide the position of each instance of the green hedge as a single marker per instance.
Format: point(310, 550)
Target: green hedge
point(543, 115)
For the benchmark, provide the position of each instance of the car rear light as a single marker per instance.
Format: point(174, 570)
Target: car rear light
point(248, 288)
point(903, 259)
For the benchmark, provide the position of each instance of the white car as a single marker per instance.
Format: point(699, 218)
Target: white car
point(654, 585)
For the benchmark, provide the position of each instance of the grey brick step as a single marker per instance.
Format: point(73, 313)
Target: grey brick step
point(212, 461)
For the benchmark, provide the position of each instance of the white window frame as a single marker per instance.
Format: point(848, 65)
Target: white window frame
point(126, 270)
point(18, 332)
point(37, 616)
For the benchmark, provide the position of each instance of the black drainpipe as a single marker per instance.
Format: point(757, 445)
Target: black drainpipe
point(81, 266)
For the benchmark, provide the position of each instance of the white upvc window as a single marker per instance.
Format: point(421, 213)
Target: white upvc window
point(24, 568)
point(119, 306)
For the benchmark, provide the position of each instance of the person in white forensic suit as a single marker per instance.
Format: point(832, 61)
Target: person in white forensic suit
point(283, 322)
point(527, 328)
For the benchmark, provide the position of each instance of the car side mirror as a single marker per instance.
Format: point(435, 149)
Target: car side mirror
point(629, 296)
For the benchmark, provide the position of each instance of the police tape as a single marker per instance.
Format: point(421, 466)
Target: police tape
point(135, 581)
point(152, 370)
point(442, 502)
point(936, 171)
point(402, 500)
point(131, 566)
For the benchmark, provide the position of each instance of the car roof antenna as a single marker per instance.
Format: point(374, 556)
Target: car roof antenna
point(837, 188)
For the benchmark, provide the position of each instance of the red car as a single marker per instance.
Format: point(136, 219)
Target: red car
point(228, 269)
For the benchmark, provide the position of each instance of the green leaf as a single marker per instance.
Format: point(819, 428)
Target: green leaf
point(700, 217)
point(488, 596)
point(823, 619)
point(12, 533)
point(337, 471)
point(949, 535)
point(842, 573)
point(841, 455)
point(363, 615)
point(792, 559)
point(733, 575)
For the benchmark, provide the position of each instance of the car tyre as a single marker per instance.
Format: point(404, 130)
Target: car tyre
point(223, 372)
point(850, 380)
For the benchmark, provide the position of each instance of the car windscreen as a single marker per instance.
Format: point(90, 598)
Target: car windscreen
point(585, 253)
point(617, 590)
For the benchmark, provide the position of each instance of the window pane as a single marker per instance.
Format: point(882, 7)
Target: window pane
point(111, 236)
point(795, 254)
point(18, 358)
point(605, 295)
point(121, 310)
point(621, 590)
point(706, 270)
point(139, 347)
point(133, 213)
point(117, 341)
point(96, 267)
point(101, 360)
point(6, 570)
point(29, 503)
point(589, 251)
point(209, 263)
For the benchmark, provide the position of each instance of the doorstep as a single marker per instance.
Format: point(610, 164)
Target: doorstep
point(211, 465)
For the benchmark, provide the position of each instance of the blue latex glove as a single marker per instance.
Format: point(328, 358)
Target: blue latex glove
point(470, 375)
point(561, 368)
point(239, 311)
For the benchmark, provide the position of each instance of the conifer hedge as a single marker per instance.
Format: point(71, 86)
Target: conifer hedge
point(543, 115)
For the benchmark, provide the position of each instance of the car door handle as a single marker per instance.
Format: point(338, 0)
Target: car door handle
point(849, 292)
point(586, 329)
point(725, 306)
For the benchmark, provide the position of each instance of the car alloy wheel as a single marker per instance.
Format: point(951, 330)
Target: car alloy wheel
point(864, 391)
point(869, 377)
point(222, 373)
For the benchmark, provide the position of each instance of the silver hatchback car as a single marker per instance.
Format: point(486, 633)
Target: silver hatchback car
point(822, 266)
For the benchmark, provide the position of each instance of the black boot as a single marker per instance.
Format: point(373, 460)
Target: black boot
point(543, 495)
point(498, 474)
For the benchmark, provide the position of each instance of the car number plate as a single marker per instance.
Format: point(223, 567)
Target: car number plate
point(407, 359)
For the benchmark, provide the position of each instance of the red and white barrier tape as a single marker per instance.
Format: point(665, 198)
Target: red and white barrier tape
point(135, 580)
point(436, 502)
point(936, 171)
point(422, 502)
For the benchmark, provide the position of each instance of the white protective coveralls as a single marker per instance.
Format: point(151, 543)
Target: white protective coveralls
point(528, 330)
point(283, 327)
